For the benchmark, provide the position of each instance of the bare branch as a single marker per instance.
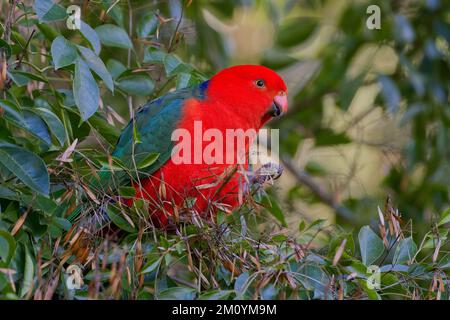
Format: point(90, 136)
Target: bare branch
point(317, 190)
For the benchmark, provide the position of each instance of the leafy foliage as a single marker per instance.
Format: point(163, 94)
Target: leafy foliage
point(65, 94)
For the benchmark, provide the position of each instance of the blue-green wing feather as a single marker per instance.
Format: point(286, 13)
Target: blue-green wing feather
point(154, 123)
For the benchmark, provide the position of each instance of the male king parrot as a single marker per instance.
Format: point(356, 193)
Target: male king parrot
point(240, 97)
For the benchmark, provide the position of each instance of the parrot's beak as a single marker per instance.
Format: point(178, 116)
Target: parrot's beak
point(279, 105)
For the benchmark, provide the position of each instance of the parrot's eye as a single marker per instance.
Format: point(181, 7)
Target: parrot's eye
point(260, 83)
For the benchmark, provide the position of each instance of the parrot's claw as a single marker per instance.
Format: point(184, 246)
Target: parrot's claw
point(267, 173)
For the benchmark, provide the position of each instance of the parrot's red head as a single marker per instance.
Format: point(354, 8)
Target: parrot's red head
point(256, 92)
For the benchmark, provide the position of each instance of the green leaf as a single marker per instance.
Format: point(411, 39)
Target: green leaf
point(372, 294)
point(316, 224)
point(313, 278)
point(18, 79)
point(301, 226)
point(12, 113)
point(370, 244)
point(48, 11)
point(7, 246)
point(127, 192)
point(49, 32)
point(18, 38)
point(53, 123)
point(177, 293)
point(85, 90)
point(115, 68)
point(327, 137)
point(390, 93)
point(68, 99)
point(117, 164)
point(215, 295)
point(97, 65)
point(147, 24)
point(6, 193)
point(189, 202)
point(270, 292)
point(27, 166)
point(106, 130)
point(349, 88)
point(31, 120)
point(136, 134)
point(152, 265)
point(277, 58)
point(185, 80)
point(315, 168)
point(404, 32)
point(114, 36)
point(148, 160)
point(114, 11)
point(64, 53)
point(444, 263)
point(39, 203)
point(295, 30)
point(173, 65)
point(405, 251)
point(413, 110)
point(154, 55)
point(138, 85)
point(30, 76)
point(445, 217)
point(90, 35)
point(240, 285)
point(274, 208)
point(36, 126)
point(279, 238)
point(6, 48)
point(28, 274)
point(62, 223)
point(116, 216)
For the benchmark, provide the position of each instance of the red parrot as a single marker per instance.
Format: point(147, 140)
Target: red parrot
point(240, 97)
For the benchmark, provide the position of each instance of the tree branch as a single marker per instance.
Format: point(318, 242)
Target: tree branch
point(317, 190)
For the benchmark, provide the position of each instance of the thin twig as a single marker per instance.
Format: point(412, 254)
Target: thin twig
point(24, 50)
point(175, 32)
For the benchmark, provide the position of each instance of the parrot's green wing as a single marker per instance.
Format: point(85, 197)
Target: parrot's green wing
point(149, 133)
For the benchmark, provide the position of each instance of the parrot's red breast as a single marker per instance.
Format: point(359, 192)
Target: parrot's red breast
point(240, 97)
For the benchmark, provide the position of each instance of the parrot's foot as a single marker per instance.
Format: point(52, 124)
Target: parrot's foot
point(268, 172)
